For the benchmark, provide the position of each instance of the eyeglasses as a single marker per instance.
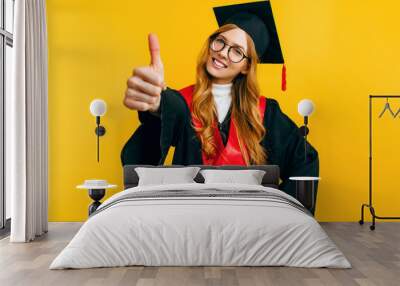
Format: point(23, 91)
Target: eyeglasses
point(235, 53)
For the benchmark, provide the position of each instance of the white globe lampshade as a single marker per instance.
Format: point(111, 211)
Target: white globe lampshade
point(98, 107)
point(305, 107)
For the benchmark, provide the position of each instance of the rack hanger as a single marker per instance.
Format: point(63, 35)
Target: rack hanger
point(398, 112)
point(387, 107)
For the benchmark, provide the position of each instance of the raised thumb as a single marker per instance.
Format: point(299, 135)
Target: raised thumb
point(154, 48)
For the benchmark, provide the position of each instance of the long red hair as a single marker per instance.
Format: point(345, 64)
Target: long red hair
point(245, 105)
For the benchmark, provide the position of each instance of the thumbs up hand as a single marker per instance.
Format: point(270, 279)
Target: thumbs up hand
point(144, 87)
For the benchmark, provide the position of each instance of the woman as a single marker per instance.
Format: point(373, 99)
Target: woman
point(220, 120)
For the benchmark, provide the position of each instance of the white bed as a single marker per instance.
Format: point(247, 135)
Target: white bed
point(250, 225)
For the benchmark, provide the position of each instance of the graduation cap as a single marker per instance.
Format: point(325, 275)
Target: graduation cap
point(257, 20)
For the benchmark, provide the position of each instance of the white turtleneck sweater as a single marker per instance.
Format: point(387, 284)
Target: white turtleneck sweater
point(222, 98)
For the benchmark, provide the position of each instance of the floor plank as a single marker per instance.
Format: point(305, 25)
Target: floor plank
point(374, 255)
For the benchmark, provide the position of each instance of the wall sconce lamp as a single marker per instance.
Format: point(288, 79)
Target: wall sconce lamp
point(305, 109)
point(98, 107)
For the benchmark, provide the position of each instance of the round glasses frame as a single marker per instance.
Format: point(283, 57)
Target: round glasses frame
point(224, 44)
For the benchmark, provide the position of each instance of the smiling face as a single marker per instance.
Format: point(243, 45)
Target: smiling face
point(220, 66)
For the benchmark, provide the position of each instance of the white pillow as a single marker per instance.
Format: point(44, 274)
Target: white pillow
point(248, 177)
point(163, 176)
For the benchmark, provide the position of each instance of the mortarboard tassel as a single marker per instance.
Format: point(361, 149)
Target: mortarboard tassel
point(284, 77)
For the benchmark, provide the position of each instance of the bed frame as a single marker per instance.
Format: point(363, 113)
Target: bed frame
point(270, 179)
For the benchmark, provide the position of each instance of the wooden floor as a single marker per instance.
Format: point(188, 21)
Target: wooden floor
point(375, 256)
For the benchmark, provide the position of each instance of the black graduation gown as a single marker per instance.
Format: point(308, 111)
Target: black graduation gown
point(150, 143)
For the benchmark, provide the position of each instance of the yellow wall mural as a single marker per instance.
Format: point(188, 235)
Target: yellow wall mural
point(337, 52)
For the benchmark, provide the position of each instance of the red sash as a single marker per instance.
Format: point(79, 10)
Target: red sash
point(224, 155)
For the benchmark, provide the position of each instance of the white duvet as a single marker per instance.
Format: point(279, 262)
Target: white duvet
point(200, 231)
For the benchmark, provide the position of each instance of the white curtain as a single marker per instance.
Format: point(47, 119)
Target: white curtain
point(26, 124)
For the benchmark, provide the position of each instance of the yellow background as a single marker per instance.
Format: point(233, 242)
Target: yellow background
point(337, 52)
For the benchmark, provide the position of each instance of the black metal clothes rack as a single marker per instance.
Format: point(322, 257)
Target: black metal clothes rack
point(369, 205)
